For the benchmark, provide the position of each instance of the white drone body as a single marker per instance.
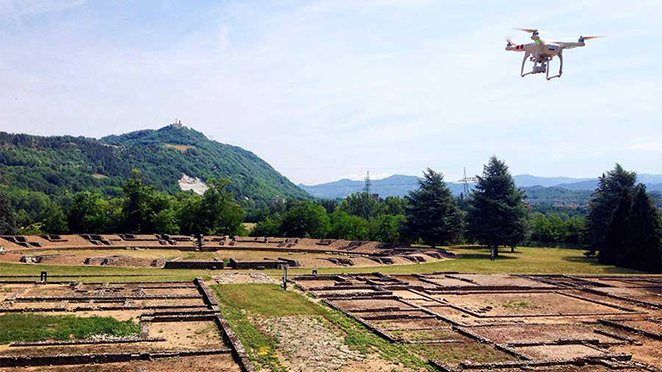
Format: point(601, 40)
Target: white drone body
point(542, 52)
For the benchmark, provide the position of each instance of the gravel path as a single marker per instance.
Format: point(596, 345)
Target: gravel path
point(308, 344)
point(242, 278)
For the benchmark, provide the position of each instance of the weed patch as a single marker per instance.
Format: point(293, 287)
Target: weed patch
point(518, 305)
point(32, 327)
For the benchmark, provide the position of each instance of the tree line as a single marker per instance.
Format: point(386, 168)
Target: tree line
point(140, 209)
point(623, 225)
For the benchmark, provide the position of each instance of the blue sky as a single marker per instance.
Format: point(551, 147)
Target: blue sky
point(330, 89)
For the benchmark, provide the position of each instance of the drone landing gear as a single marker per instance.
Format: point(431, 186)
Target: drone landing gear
point(540, 67)
point(560, 68)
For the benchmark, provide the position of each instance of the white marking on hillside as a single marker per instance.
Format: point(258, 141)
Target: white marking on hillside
point(192, 183)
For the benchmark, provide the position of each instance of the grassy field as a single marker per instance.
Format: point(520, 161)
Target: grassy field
point(147, 274)
point(261, 348)
point(31, 327)
point(525, 260)
point(239, 302)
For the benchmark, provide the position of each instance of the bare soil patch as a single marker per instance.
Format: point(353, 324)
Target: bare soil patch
point(201, 363)
point(525, 304)
point(188, 335)
point(559, 352)
point(374, 304)
point(546, 333)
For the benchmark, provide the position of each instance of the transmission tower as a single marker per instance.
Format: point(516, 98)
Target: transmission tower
point(367, 188)
point(466, 181)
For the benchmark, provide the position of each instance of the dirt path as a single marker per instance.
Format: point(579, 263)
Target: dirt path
point(236, 278)
point(307, 343)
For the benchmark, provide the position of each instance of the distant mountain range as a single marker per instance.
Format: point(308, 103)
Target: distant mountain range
point(540, 189)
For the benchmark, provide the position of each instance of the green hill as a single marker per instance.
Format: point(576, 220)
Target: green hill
point(57, 165)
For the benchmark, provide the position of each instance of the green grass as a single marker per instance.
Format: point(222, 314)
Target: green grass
point(32, 327)
point(268, 300)
point(148, 274)
point(261, 348)
point(525, 260)
point(241, 301)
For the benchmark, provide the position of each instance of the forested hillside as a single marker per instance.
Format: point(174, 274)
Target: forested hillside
point(60, 165)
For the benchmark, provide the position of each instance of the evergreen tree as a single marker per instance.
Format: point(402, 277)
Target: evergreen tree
point(605, 200)
point(432, 213)
point(7, 220)
point(613, 250)
point(643, 250)
point(497, 214)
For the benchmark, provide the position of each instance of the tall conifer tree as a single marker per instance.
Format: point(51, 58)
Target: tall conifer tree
point(643, 233)
point(432, 213)
point(497, 214)
point(605, 200)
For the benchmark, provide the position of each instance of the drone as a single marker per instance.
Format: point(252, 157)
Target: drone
point(542, 52)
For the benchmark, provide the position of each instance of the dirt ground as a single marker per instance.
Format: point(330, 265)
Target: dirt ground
point(559, 352)
point(201, 363)
point(513, 333)
point(547, 319)
point(146, 257)
point(526, 304)
point(160, 333)
point(188, 335)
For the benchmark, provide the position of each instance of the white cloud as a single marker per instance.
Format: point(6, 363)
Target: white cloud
point(645, 146)
point(26, 7)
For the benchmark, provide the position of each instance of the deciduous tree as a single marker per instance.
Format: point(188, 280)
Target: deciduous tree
point(306, 220)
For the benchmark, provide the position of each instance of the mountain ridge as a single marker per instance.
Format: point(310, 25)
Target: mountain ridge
point(405, 183)
point(61, 164)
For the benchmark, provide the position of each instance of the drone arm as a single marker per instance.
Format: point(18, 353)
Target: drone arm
point(571, 45)
point(560, 55)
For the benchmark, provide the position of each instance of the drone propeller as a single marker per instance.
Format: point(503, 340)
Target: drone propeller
point(582, 38)
point(529, 30)
point(509, 41)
